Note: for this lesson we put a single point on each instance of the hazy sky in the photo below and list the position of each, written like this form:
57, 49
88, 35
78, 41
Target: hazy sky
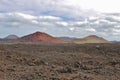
98, 5
74, 18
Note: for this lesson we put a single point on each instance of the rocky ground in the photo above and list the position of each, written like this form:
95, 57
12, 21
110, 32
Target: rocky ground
60, 62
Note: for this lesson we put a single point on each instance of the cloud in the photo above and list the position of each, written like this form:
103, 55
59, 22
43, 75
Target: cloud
27, 23
46, 7
59, 5
72, 28
91, 30
56, 17
62, 23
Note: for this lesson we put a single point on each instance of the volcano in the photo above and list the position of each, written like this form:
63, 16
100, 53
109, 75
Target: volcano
11, 37
91, 39
40, 37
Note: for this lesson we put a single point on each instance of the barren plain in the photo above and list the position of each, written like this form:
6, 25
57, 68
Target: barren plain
60, 61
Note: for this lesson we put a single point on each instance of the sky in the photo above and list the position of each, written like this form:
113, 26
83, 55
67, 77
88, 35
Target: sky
72, 18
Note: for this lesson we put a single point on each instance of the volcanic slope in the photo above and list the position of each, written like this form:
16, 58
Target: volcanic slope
40, 37
90, 39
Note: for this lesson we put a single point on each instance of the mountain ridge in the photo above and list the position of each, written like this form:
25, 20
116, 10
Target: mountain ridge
42, 37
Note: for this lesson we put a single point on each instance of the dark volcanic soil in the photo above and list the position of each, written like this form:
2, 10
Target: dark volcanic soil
60, 62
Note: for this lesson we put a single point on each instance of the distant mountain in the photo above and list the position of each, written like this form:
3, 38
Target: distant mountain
91, 39
0, 39
40, 37
67, 38
11, 37
115, 41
